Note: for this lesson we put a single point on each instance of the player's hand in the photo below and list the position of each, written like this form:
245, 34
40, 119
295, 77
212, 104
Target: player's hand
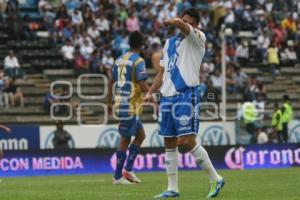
148, 98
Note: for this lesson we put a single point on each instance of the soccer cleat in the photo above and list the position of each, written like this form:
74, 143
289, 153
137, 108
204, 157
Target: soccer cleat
130, 176
121, 181
167, 194
215, 187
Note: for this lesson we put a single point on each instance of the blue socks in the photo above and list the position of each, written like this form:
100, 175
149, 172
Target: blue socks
121, 157
133, 152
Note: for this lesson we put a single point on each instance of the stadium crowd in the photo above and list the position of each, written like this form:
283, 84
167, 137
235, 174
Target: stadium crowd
93, 33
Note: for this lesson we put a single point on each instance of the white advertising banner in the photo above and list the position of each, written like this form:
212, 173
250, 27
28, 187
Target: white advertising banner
210, 133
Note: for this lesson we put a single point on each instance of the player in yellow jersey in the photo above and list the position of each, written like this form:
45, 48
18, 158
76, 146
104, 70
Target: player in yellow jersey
128, 83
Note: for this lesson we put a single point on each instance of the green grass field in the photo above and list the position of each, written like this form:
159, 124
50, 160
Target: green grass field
241, 185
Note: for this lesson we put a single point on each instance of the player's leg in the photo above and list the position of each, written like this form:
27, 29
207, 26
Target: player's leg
126, 134
187, 125
167, 130
133, 152
171, 163
121, 157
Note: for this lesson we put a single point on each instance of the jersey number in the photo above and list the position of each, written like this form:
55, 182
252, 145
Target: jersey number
121, 74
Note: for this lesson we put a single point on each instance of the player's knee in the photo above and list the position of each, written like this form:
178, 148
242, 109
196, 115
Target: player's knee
184, 145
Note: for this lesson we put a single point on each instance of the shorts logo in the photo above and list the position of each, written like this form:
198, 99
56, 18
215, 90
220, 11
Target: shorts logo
294, 135
109, 138
156, 140
214, 135
49, 143
184, 120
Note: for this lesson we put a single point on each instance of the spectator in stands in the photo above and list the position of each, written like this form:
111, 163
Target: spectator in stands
67, 31
262, 90
290, 55
81, 65
15, 25
260, 106
216, 79
68, 51
2, 87
263, 43
132, 23
86, 50
120, 43
29, 28
240, 79
289, 25
297, 49
242, 53
230, 82
96, 62
287, 116
273, 60
107, 60
277, 122
249, 115
211, 94
209, 53
61, 137
102, 24
77, 19
230, 53
279, 34
50, 98
93, 32
262, 136
251, 90
11, 65
13, 94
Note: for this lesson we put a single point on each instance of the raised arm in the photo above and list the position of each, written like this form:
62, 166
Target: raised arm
179, 23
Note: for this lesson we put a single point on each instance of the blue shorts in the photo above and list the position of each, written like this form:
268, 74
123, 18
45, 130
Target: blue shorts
130, 127
179, 115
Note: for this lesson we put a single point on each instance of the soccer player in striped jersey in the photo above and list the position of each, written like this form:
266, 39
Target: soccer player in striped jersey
129, 80
178, 80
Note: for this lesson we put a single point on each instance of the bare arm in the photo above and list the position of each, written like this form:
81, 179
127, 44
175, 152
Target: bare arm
157, 82
144, 86
155, 60
179, 23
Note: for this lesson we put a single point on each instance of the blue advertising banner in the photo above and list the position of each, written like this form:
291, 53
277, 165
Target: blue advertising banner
92, 161
22, 137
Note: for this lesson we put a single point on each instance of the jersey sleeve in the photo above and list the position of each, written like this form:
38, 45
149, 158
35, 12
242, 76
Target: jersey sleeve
115, 73
140, 70
196, 36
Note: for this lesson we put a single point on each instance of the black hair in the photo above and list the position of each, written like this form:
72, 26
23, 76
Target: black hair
286, 97
192, 12
136, 40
